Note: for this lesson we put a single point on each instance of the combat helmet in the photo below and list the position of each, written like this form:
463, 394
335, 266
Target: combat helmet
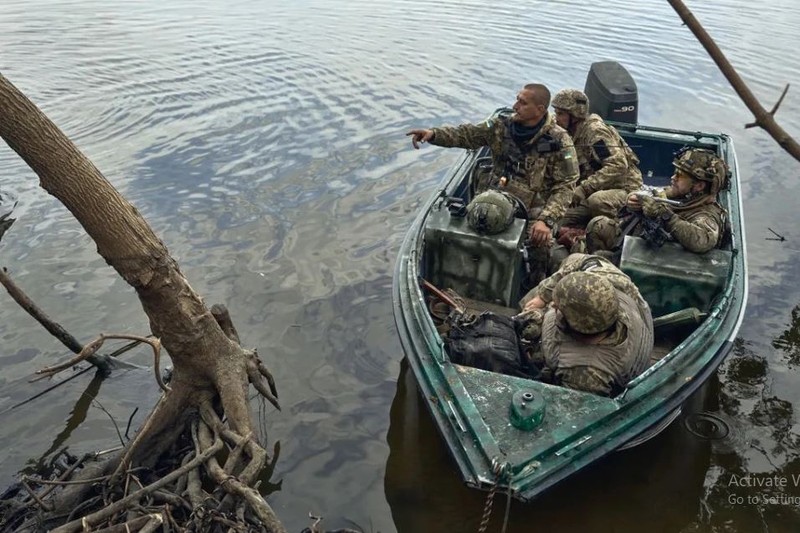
704, 165
490, 212
587, 301
575, 102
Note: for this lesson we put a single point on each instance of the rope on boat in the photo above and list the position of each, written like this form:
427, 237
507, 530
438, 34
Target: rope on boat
501, 472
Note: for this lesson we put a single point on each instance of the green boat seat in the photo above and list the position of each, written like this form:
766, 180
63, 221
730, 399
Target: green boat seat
672, 278
480, 267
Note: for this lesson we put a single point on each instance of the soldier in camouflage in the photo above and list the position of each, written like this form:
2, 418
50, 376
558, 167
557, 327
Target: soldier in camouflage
608, 166
533, 158
596, 331
698, 223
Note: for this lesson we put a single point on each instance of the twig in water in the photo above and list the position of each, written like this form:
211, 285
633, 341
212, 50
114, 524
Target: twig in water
116, 427
130, 419
777, 237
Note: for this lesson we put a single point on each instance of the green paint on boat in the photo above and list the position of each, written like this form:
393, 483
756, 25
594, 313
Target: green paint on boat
526, 410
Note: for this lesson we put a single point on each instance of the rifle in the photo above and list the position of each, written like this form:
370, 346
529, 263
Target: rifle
649, 194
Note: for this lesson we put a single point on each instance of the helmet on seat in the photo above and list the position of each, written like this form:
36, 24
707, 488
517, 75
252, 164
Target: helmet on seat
573, 101
490, 212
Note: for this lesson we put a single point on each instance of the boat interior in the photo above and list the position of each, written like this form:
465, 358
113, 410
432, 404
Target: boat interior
488, 271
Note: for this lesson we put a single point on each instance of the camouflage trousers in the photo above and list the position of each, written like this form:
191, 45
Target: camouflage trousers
585, 378
602, 203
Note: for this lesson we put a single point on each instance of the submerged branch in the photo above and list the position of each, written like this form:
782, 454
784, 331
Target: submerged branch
90, 349
102, 362
764, 119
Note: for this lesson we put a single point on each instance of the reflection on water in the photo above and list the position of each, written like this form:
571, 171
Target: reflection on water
263, 141
753, 478
789, 341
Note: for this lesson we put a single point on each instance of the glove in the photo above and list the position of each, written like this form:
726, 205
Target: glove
529, 324
655, 209
578, 196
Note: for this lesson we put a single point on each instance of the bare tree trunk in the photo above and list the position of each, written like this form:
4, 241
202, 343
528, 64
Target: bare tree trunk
765, 119
209, 367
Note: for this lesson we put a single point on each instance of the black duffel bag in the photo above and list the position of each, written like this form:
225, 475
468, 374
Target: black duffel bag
488, 341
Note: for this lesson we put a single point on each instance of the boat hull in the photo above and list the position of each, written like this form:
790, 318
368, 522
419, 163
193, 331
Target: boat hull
471, 407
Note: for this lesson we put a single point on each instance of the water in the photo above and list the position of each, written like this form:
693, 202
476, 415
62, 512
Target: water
263, 141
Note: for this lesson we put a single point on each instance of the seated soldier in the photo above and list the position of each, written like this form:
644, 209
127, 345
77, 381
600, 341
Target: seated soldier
608, 166
697, 222
532, 158
596, 334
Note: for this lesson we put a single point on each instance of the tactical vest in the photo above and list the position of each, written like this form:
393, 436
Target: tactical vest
524, 167
621, 363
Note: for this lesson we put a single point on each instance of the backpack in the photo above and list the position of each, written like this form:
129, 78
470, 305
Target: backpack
488, 341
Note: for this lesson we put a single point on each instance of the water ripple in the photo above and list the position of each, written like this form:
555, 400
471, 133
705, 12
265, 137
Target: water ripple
264, 143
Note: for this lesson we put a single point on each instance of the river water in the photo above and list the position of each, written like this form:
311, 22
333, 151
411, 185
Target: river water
263, 141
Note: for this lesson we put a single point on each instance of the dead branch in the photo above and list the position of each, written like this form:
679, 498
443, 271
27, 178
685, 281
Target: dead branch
95, 345
763, 118
113, 355
102, 362
135, 524
35, 496
256, 376
215, 444
155, 522
267, 374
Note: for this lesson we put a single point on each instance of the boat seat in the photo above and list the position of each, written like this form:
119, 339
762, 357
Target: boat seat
487, 268
672, 278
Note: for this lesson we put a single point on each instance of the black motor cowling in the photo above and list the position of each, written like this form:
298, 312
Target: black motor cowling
612, 92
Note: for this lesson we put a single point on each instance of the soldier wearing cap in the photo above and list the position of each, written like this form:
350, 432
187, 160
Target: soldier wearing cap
698, 223
532, 157
596, 329
608, 166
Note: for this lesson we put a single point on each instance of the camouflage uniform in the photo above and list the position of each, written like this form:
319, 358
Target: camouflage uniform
541, 173
605, 298
583, 263
609, 171
698, 229
698, 224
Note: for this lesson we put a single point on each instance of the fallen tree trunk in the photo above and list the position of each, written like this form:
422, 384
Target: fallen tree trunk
212, 372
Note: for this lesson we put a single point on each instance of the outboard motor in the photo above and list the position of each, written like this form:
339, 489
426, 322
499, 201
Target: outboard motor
612, 92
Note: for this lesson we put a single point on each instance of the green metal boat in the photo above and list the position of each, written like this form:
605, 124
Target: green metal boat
523, 435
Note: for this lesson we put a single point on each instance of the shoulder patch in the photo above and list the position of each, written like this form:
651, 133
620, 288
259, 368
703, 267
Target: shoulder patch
601, 149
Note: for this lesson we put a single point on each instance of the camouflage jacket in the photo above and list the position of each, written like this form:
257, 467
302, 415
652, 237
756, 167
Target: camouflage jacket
700, 229
542, 173
605, 367
587, 263
606, 161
